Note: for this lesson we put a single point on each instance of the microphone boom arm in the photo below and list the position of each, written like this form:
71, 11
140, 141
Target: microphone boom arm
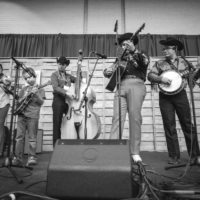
19, 64
88, 84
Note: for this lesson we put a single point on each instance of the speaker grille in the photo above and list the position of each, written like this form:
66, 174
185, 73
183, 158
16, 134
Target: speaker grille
90, 169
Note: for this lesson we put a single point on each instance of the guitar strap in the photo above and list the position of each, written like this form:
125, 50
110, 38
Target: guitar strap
1, 76
184, 73
172, 64
62, 75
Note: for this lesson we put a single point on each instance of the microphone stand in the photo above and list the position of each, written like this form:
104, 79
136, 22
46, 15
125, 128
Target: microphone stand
23, 67
85, 100
118, 70
8, 159
194, 129
118, 79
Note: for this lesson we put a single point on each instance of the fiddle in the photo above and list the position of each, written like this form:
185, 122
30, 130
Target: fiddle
5, 84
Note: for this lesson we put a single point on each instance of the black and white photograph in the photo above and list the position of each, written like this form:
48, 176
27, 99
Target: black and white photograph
99, 99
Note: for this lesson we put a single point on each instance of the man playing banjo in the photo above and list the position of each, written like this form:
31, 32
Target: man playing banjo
176, 101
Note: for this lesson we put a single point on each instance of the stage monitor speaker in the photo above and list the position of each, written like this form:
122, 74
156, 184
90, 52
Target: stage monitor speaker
91, 169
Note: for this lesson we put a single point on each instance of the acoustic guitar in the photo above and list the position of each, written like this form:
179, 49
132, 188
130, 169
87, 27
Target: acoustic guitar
22, 105
121, 65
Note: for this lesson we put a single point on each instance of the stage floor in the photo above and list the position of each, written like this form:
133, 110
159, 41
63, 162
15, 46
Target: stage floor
34, 181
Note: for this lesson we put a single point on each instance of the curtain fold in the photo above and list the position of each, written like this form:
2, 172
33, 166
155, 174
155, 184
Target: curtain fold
54, 45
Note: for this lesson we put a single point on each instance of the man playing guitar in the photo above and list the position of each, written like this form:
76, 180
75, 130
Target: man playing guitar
27, 122
177, 102
133, 92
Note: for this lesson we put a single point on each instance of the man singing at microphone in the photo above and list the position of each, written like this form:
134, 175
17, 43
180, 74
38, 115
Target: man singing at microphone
132, 92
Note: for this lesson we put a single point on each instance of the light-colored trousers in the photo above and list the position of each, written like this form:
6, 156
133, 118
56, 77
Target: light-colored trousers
31, 126
133, 92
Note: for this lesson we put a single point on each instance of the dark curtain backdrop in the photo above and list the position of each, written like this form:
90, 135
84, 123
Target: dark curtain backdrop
52, 45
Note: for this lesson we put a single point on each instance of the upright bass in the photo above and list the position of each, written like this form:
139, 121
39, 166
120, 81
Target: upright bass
81, 122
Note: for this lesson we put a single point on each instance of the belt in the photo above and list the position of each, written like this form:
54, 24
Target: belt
58, 95
130, 76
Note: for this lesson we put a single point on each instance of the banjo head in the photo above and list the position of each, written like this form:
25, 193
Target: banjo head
176, 83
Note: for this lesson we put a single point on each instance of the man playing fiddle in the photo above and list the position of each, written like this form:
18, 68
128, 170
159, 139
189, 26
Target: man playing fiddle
132, 92
5, 82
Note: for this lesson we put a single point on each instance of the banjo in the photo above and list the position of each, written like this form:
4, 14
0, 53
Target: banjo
176, 85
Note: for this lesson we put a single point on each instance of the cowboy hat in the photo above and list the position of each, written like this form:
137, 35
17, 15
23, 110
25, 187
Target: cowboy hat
170, 41
127, 36
63, 60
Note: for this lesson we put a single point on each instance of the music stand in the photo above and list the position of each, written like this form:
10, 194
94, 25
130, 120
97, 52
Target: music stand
8, 160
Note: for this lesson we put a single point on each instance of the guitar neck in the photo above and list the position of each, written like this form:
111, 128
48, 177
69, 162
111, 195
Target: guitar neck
39, 87
44, 85
138, 31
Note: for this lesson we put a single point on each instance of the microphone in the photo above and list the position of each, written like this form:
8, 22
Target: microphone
16, 61
116, 26
103, 56
80, 57
80, 51
24, 68
29, 72
116, 31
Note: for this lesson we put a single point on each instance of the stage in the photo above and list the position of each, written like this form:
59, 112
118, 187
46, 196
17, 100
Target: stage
34, 181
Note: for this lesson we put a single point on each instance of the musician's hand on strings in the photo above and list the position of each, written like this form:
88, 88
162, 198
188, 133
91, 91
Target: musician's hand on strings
166, 81
70, 94
13, 85
109, 70
34, 90
7, 80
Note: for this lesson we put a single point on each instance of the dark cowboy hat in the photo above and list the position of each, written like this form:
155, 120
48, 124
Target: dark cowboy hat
170, 41
63, 60
127, 36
